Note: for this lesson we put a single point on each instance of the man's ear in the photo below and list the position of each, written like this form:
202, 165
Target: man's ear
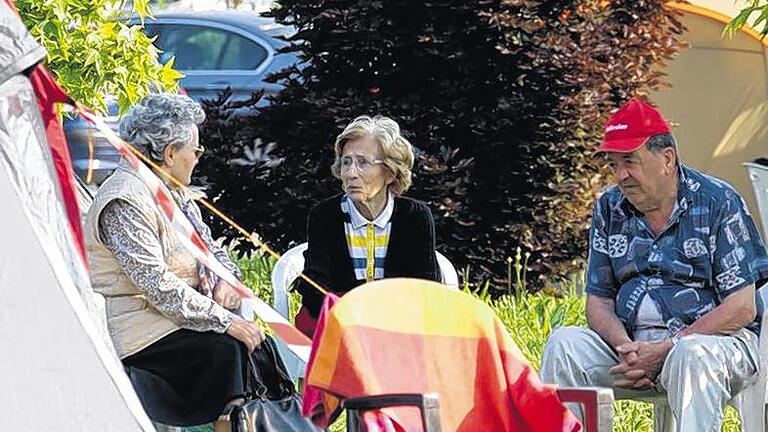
670, 158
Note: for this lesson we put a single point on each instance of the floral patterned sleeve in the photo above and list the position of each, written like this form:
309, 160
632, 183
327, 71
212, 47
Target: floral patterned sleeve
135, 244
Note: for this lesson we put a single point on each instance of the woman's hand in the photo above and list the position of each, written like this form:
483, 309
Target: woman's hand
246, 332
226, 296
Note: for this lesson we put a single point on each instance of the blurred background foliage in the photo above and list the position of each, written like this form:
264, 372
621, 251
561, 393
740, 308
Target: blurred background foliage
504, 100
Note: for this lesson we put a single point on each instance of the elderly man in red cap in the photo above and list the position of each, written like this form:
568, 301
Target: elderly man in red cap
673, 263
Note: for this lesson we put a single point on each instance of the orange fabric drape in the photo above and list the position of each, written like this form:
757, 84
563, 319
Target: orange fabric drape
415, 336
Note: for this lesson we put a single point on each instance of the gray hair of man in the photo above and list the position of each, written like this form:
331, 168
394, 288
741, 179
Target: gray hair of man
160, 120
658, 143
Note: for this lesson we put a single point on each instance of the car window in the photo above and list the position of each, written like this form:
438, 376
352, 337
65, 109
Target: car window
195, 47
242, 53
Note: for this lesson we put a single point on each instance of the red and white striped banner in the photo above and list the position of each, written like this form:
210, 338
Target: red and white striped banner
296, 341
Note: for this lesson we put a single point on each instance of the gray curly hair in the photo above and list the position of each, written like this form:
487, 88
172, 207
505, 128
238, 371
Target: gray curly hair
160, 120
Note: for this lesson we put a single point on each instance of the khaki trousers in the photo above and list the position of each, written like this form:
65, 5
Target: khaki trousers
700, 374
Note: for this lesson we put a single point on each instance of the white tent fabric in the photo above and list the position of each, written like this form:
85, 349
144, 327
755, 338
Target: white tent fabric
718, 101
58, 368
729, 8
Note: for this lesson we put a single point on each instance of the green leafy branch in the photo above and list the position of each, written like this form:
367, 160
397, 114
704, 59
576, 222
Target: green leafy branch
93, 53
755, 15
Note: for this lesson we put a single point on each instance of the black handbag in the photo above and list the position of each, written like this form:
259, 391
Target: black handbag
271, 403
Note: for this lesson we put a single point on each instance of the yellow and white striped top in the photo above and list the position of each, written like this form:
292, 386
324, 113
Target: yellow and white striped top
367, 240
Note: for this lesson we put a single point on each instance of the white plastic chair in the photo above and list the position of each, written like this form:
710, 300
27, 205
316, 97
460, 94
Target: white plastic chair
289, 266
758, 175
286, 271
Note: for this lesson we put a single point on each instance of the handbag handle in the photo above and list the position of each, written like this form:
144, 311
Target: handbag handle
252, 379
265, 364
270, 347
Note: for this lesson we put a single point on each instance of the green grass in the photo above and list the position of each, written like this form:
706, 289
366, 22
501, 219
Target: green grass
530, 320
256, 269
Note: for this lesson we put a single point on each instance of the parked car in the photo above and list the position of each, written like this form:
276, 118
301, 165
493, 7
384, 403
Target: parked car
220, 49
214, 50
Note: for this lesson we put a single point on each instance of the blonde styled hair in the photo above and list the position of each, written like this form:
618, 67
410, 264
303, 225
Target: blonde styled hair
398, 152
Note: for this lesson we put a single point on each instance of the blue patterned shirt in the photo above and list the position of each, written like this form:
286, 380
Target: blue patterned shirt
709, 249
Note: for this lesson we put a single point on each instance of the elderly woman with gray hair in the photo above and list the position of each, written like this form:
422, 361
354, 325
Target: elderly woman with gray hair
171, 319
370, 231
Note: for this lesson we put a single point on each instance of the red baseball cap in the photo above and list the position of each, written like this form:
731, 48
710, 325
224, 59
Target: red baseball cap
631, 126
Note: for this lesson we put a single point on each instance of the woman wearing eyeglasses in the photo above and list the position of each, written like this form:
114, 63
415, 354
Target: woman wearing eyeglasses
170, 318
370, 231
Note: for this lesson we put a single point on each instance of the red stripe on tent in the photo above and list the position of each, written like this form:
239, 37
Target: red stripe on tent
165, 203
199, 242
12, 6
289, 334
48, 95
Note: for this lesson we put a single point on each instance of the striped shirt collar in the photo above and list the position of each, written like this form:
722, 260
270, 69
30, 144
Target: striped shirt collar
358, 220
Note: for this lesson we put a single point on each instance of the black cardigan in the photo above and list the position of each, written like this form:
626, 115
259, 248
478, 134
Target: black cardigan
410, 253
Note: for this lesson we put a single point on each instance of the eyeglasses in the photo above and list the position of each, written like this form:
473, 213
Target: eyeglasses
363, 164
199, 150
